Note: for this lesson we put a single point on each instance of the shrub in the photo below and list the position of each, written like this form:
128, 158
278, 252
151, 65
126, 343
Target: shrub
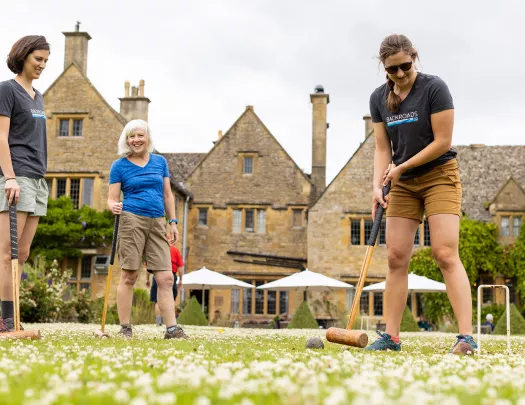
44, 294
192, 314
517, 323
408, 323
97, 306
303, 318
143, 311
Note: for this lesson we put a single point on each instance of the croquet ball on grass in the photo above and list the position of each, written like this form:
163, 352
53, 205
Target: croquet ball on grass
314, 343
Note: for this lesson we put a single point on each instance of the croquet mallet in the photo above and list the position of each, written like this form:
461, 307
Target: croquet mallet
101, 332
354, 337
15, 274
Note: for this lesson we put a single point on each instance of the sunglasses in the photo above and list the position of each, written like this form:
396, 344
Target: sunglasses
405, 67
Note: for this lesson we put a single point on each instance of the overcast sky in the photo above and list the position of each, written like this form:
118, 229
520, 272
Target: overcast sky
204, 61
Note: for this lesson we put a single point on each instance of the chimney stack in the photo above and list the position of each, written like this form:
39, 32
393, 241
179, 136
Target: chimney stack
319, 100
369, 127
134, 106
76, 49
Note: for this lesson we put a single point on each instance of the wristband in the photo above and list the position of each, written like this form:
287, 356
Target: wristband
173, 220
10, 178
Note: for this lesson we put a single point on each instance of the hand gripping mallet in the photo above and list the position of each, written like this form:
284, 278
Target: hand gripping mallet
354, 337
101, 333
13, 232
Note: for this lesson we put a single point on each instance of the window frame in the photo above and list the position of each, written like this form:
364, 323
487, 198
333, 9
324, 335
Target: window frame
53, 180
205, 211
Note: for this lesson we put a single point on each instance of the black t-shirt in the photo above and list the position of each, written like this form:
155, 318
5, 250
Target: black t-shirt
410, 129
27, 129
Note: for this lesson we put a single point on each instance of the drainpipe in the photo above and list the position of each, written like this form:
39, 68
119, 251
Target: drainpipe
184, 242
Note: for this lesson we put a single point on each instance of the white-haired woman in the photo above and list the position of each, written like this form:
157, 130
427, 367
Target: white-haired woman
143, 178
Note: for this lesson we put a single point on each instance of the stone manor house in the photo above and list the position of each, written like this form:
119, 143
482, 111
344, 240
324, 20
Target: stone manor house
246, 209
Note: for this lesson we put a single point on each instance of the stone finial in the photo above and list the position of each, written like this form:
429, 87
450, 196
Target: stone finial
220, 135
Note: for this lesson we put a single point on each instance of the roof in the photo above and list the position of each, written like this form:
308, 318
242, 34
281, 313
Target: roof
249, 109
484, 170
117, 115
182, 164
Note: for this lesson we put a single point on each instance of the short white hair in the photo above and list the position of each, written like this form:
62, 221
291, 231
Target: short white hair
489, 317
123, 147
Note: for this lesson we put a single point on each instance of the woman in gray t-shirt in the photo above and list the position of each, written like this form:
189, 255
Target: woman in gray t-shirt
413, 118
23, 158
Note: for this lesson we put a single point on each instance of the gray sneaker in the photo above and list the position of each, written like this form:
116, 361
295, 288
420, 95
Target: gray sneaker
175, 332
125, 331
384, 342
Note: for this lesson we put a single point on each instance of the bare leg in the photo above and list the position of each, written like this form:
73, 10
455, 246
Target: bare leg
400, 233
444, 235
165, 296
125, 295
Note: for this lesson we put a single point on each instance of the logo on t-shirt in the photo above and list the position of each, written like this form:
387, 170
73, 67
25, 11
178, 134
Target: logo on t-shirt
38, 113
401, 119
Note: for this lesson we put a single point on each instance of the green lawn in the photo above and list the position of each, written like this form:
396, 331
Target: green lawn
251, 366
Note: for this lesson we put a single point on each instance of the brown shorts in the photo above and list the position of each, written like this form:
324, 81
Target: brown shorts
436, 192
140, 237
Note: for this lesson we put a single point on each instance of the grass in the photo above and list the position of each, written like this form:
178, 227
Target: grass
251, 366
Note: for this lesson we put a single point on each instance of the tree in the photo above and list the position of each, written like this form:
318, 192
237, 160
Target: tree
65, 230
516, 263
479, 251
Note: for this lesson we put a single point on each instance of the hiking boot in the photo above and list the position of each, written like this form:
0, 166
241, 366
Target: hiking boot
384, 342
175, 332
125, 331
464, 345
9, 323
3, 326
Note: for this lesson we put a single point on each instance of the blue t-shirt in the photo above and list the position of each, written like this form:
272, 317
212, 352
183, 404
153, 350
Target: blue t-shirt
143, 187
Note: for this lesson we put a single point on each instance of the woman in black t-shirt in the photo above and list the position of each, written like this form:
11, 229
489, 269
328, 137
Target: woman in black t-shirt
23, 158
413, 119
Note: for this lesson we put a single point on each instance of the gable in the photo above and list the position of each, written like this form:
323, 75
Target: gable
276, 179
511, 197
73, 97
350, 189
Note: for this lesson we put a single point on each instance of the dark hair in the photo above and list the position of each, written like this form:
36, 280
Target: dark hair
390, 46
22, 48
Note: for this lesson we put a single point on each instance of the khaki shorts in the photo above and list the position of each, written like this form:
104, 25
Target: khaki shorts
436, 192
140, 237
33, 196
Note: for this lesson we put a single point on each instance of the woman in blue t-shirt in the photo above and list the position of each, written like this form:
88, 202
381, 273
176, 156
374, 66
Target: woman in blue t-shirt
23, 158
413, 119
144, 180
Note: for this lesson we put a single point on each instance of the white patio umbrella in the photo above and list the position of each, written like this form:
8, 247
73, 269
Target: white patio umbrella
306, 280
206, 279
417, 284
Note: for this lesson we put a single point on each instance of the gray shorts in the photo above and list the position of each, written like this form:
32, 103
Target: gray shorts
33, 196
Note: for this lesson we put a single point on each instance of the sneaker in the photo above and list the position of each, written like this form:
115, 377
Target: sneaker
175, 332
464, 345
9, 323
125, 331
384, 342
3, 326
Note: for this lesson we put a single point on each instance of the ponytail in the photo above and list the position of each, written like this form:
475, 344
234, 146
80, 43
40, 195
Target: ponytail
393, 101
